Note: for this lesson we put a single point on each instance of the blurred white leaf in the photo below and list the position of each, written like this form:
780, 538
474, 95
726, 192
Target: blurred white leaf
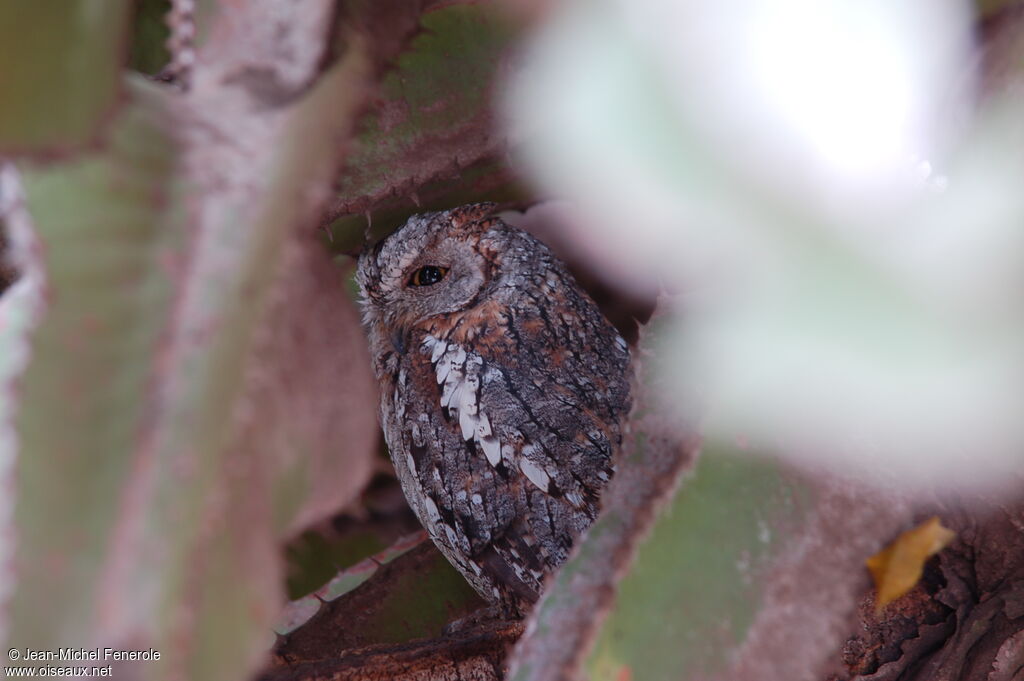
843, 220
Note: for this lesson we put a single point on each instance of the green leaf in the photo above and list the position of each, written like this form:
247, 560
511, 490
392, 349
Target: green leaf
700, 570
753, 571
59, 71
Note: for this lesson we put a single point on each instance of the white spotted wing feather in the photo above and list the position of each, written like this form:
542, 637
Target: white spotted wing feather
459, 373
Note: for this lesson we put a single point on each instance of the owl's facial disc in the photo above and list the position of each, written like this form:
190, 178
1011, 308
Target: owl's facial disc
431, 267
441, 277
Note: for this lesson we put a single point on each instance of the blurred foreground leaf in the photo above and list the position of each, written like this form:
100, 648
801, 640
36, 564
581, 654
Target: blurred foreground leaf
199, 386
898, 567
21, 305
89, 356
837, 291
59, 71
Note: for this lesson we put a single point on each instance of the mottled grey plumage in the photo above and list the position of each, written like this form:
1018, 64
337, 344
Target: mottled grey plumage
503, 390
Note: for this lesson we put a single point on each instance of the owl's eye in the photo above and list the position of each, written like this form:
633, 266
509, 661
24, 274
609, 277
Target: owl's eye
428, 275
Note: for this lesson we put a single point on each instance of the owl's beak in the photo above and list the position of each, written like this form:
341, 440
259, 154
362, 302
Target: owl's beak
398, 339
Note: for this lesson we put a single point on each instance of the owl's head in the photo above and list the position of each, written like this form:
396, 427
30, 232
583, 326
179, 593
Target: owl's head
435, 264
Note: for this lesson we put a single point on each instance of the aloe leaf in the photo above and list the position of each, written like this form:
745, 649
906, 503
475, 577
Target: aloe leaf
89, 361
431, 138
195, 389
752, 571
701, 570
59, 71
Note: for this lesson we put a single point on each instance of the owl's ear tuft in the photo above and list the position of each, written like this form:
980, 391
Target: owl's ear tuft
473, 212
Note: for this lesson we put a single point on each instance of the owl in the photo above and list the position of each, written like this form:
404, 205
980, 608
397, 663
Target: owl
503, 394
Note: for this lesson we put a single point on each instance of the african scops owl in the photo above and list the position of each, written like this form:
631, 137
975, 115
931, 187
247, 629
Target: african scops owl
503, 391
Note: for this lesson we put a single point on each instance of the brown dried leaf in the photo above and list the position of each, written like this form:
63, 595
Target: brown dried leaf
898, 567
